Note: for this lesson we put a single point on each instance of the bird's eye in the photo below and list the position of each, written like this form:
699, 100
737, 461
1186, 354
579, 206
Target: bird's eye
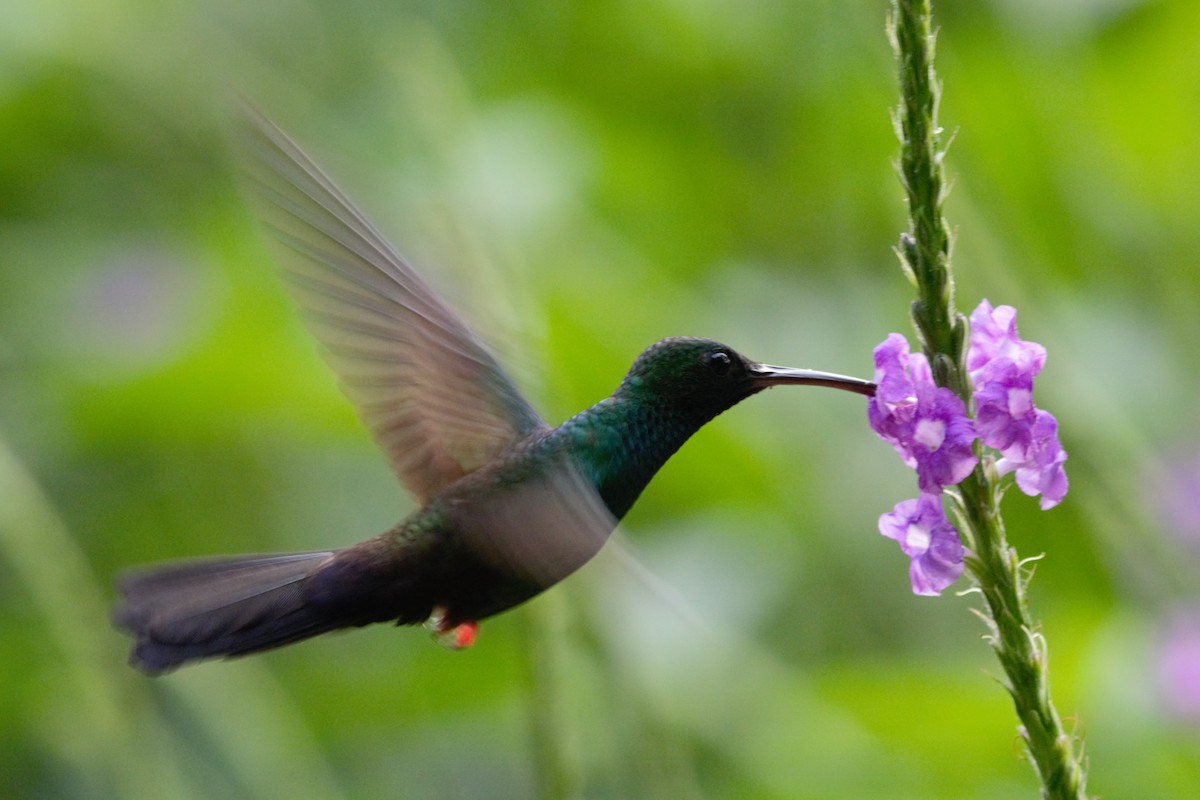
719, 362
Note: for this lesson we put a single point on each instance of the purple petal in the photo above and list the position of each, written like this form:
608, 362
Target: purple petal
927, 537
1004, 411
890, 412
895, 400
918, 368
926, 424
941, 441
895, 385
1039, 470
994, 335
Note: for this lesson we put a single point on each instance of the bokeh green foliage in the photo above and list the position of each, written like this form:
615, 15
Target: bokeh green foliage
581, 179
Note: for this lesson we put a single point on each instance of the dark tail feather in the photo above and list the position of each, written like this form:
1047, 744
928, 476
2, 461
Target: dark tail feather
220, 607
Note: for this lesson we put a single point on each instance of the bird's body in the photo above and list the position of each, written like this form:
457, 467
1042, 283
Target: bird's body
509, 504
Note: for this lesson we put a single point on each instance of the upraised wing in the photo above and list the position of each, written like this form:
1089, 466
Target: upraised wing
434, 398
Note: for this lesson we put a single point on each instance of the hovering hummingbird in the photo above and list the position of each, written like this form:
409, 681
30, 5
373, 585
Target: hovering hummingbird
509, 505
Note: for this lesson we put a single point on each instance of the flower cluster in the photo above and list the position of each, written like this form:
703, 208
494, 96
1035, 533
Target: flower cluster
1002, 368
929, 427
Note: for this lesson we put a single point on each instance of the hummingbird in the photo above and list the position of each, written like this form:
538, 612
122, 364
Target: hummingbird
508, 504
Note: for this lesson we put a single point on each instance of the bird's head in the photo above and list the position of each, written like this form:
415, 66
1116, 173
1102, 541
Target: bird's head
708, 377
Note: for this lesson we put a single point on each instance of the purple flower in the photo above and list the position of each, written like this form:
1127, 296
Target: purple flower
1004, 411
1039, 467
928, 538
1173, 485
929, 427
994, 336
925, 423
1179, 665
1002, 367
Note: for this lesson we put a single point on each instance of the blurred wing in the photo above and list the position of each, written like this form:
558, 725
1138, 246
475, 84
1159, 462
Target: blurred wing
434, 398
538, 529
541, 529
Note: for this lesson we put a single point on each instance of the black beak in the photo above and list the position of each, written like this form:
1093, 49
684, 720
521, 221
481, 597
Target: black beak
764, 376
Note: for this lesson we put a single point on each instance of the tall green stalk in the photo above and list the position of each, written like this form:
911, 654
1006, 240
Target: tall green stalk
994, 566
556, 760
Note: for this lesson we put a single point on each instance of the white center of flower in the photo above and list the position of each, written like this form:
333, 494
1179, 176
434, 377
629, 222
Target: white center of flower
1019, 402
917, 537
931, 433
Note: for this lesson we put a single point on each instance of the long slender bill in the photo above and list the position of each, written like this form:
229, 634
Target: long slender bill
767, 375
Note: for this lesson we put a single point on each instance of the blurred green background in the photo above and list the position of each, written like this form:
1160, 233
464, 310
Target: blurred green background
581, 179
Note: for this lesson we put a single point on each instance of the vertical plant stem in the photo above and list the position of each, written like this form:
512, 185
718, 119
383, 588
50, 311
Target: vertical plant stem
555, 754
108, 735
102, 744
924, 252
